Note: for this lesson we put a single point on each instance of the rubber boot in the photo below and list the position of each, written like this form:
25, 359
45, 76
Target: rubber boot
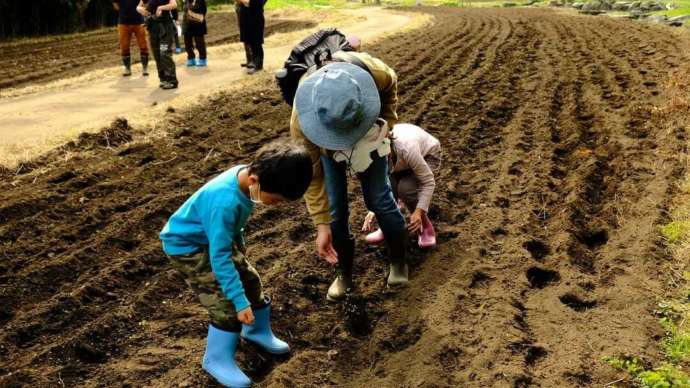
145, 64
342, 285
398, 274
375, 238
248, 55
427, 237
219, 358
261, 333
259, 61
127, 61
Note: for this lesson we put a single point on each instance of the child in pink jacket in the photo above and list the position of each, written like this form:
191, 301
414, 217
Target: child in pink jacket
416, 155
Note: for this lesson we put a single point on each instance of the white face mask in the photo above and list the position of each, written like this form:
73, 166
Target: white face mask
255, 193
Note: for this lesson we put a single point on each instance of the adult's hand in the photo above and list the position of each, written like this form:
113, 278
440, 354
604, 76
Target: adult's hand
415, 225
246, 316
368, 225
324, 244
159, 12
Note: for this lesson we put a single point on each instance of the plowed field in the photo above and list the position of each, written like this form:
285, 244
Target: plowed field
556, 176
36, 61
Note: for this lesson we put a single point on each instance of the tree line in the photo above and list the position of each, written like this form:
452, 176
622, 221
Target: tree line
28, 18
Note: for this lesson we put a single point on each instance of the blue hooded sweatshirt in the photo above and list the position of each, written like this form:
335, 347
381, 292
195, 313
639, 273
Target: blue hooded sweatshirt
213, 217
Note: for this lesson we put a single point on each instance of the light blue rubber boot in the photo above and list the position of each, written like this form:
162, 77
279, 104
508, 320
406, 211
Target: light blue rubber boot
201, 62
191, 63
261, 334
219, 359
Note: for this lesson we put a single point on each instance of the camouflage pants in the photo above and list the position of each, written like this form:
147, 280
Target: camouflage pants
196, 269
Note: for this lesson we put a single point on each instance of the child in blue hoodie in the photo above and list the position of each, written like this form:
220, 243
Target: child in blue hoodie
204, 241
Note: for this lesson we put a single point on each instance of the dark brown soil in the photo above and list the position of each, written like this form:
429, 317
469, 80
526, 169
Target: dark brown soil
27, 62
557, 174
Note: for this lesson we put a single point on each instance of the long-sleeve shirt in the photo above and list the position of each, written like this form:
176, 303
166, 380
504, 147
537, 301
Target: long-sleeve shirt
387, 84
213, 217
412, 145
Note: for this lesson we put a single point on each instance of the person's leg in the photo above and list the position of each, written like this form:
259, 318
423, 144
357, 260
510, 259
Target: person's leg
140, 34
178, 48
400, 187
335, 176
258, 55
189, 46
248, 55
166, 46
154, 40
260, 332
201, 46
224, 330
408, 190
125, 41
378, 197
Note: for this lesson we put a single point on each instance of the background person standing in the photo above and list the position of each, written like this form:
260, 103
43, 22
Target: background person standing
161, 35
194, 32
252, 32
130, 22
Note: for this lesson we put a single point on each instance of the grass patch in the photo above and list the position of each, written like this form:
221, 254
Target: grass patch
675, 345
676, 231
665, 376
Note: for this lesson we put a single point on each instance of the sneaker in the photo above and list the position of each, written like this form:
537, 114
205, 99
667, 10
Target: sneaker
191, 63
178, 50
127, 72
201, 62
168, 85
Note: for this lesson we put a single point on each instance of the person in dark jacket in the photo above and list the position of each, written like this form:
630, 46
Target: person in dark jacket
161, 28
252, 32
194, 32
129, 23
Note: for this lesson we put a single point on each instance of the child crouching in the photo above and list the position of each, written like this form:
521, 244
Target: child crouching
416, 156
204, 241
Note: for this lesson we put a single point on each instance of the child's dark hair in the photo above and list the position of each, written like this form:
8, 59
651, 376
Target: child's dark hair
283, 167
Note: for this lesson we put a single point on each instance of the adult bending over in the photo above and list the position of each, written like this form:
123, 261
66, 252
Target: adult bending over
343, 111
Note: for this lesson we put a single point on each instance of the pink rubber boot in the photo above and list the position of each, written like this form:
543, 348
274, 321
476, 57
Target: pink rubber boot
427, 236
375, 238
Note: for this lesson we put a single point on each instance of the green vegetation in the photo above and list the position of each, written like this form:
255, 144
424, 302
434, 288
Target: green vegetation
665, 376
676, 231
681, 7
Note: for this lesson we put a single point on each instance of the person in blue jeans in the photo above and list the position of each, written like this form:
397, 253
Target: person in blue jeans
204, 240
343, 113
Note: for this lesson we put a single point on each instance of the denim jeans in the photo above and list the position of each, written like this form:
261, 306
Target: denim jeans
377, 192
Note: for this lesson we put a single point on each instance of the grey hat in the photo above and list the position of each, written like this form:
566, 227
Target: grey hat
337, 105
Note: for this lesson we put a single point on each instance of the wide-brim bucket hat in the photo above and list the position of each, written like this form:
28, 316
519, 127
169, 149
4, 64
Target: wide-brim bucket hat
337, 105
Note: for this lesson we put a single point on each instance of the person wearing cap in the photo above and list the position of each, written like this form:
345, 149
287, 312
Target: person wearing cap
342, 112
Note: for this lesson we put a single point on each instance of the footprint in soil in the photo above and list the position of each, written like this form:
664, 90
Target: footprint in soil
593, 238
576, 303
540, 277
537, 249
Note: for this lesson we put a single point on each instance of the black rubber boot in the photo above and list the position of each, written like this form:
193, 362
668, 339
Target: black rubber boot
145, 64
127, 61
398, 274
342, 285
248, 55
259, 60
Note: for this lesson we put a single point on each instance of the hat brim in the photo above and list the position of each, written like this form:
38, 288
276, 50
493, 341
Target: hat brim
312, 127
